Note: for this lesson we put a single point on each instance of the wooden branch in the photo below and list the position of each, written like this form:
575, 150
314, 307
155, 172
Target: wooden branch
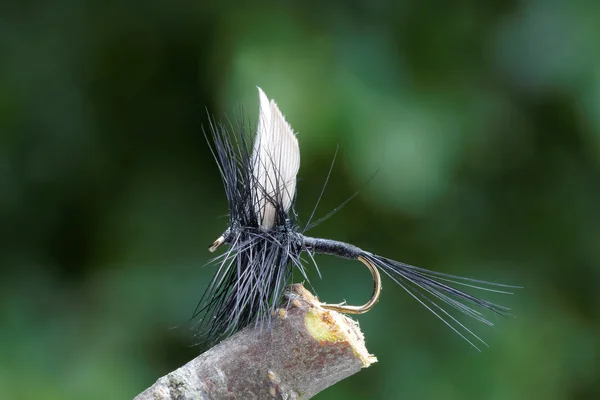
306, 350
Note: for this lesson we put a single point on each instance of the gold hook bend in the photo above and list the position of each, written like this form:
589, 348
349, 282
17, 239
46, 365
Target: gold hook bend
343, 308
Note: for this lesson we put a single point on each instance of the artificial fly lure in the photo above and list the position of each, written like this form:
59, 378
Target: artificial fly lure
266, 243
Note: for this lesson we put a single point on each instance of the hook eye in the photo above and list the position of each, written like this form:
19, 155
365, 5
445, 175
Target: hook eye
213, 247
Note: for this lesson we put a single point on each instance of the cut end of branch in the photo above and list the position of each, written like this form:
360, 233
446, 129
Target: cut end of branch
328, 326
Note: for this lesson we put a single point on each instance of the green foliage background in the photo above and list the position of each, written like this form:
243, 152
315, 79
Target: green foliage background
482, 118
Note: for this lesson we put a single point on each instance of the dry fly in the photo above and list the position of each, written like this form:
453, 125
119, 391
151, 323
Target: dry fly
265, 241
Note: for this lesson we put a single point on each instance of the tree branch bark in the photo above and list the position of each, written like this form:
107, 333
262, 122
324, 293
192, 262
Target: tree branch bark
306, 350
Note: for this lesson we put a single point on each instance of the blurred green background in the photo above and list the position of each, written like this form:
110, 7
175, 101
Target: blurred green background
482, 118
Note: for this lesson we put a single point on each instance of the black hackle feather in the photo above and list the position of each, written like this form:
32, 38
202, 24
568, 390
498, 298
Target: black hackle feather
253, 272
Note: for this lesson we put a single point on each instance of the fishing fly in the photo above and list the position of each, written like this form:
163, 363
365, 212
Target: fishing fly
266, 243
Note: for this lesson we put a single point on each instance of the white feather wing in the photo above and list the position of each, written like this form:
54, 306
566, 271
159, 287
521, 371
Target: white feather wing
275, 163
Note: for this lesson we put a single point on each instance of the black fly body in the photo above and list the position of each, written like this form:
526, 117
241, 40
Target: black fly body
265, 243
